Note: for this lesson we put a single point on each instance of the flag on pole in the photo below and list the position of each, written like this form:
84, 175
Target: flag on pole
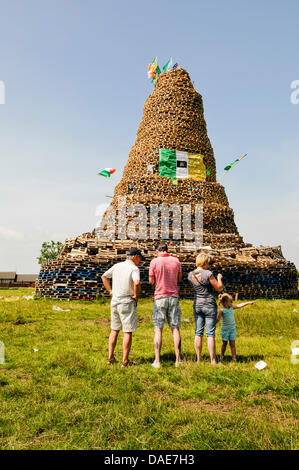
178, 164
107, 172
150, 73
151, 70
168, 65
154, 64
228, 167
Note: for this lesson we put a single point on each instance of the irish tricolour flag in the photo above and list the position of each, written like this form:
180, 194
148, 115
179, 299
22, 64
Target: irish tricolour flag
107, 172
177, 164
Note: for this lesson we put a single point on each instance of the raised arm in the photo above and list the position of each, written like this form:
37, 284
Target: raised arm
242, 305
217, 284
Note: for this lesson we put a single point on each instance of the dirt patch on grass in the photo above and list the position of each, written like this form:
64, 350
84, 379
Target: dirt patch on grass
221, 406
21, 376
98, 321
268, 411
23, 321
103, 321
272, 398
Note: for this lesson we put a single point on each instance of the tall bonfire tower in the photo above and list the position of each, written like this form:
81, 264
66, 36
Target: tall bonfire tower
171, 141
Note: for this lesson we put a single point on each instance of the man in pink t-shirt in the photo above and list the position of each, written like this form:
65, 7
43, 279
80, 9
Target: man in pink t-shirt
166, 271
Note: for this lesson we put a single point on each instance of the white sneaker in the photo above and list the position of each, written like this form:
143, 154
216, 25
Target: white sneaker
156, 366
178, 363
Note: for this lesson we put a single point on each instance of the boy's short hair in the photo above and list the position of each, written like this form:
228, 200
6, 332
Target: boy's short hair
203, 258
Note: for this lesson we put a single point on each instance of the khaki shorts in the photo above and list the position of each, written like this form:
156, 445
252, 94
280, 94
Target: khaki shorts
124, 316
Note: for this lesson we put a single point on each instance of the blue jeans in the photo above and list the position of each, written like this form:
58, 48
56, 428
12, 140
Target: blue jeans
205, 315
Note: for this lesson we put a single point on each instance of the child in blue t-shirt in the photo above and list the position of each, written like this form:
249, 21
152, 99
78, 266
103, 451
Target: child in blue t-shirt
228, 326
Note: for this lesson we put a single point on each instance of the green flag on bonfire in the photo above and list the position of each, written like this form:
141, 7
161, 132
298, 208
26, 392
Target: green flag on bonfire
181, 164
168, 65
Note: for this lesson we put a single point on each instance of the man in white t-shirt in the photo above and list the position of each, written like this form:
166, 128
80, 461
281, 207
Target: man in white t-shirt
125, 292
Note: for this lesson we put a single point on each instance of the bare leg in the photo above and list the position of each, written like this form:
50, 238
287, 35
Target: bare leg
127, 341
177, 343
198, 347
158, 343
112, 343
223, 348
233, 349
212, 349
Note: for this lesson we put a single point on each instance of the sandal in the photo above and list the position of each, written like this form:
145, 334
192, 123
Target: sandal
128, 363
112, 361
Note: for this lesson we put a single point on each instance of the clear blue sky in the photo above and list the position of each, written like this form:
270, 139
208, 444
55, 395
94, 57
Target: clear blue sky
76, 83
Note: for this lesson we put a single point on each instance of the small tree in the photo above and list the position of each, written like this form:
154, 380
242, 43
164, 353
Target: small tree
49, 250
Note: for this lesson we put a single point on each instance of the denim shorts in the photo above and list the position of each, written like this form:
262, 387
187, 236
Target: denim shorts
228, 334
205, 315
167, 308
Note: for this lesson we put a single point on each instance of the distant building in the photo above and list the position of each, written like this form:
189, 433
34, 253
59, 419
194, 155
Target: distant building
6, 279
12, 279
26, 280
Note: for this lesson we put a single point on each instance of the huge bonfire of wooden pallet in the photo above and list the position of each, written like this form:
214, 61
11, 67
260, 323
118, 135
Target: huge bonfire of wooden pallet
173, 118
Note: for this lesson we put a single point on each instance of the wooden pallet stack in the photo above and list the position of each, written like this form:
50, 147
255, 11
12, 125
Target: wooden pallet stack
253, 272
173, 118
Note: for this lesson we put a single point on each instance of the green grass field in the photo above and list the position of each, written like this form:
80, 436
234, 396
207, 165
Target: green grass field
64, 396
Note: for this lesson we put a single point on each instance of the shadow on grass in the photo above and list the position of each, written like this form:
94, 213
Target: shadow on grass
170, 358
163, 358
243, 359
